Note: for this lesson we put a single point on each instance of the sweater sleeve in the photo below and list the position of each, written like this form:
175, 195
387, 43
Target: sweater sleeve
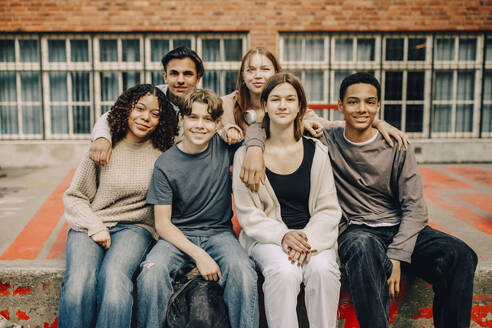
101, 128
249, 209
413, 208
78, 197
322, 228
255, 136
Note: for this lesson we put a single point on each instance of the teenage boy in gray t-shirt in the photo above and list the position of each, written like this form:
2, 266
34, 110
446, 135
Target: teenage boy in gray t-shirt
191, 194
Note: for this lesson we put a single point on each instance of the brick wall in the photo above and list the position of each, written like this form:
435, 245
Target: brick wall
262, 19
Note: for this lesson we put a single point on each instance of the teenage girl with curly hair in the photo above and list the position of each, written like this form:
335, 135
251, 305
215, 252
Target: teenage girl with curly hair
111, 227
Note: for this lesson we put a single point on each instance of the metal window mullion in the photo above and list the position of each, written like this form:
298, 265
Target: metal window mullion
46, 104
404, 100
454, 101
69, 104
19, 105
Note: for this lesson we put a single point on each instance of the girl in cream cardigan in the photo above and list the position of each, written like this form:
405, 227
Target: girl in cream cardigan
290, 226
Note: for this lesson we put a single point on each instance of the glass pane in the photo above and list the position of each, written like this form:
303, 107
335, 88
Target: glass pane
468, 49
158, 48
30, 86
444, 85
130, 79
59, 119
415, 85
394, 49
442, 118
464, 118
79, 50
414, 118
181, 43
466, 85
313, 84
108, 50
339, 76
58, 86
487, 86
393, 85
81, 119
233, 49
315, 50
131, 50
344, 49
109, 86
80, 86
7, 51
365, 49
487, 118
488, 50
57, 51
8, 120
392, 115
230, 78
31, 119
8, 89
416, 49
105, 109
211, 49
157, 78
445, 49
28, 51
292, 49
211, 80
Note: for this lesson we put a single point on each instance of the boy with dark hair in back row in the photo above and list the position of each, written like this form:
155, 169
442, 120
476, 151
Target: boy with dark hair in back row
191, 194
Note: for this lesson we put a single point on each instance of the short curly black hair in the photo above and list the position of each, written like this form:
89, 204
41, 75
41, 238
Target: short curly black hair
163, 136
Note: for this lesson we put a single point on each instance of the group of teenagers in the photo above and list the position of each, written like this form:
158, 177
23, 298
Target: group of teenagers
316, 200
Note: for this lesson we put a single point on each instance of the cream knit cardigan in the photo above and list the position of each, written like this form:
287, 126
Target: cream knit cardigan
259, 213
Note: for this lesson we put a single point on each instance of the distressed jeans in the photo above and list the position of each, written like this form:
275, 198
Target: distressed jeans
165, 263
100, 281
440, 259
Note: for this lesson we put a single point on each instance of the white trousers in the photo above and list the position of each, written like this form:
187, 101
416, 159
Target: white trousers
321, 278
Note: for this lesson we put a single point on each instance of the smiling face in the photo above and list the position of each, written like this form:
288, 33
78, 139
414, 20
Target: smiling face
256, 72
198, 128
359, 107
143, 119
181, 76
282, 105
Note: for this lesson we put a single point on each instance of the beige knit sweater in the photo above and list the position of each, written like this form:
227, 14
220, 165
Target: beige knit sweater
101, 197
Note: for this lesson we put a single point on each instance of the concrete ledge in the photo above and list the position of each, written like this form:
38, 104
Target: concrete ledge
30, 297
42, 153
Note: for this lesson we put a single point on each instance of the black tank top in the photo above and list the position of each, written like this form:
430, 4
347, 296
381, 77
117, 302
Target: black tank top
292, 190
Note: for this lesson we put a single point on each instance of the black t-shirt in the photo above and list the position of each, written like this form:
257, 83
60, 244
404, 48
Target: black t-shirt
292, 190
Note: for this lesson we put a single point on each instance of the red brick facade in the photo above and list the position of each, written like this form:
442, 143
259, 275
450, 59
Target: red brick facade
262, 19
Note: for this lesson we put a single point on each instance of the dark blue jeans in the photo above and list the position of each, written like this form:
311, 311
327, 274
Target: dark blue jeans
440, 259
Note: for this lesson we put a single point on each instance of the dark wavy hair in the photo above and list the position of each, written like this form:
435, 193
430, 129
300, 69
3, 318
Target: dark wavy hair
163, 135
242, 101
181, 53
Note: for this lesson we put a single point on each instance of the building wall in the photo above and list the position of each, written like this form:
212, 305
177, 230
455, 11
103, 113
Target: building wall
262, 19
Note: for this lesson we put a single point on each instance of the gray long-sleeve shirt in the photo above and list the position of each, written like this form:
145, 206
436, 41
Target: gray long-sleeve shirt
376, 185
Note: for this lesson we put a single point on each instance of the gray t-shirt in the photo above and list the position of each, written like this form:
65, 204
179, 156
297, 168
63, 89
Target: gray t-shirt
197, 186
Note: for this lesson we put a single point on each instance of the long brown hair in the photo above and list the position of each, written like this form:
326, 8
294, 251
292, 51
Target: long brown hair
279, 78
242, 102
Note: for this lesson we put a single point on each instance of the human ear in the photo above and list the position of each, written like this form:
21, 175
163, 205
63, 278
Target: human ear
340, 106
164, 76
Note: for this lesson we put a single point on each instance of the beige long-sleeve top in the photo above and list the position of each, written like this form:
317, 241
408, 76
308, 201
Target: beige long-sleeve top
101, 197
259, 213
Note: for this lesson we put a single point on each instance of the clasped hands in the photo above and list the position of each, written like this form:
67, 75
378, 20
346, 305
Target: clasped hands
295, 244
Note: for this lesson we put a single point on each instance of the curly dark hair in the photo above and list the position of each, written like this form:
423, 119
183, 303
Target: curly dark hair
163, 136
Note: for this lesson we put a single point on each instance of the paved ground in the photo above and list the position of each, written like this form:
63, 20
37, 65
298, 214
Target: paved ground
32, 238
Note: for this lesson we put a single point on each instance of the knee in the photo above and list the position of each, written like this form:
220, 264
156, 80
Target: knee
151, 275
462, 256
241, 269
357, 245
115, 284
324, 271
288, 273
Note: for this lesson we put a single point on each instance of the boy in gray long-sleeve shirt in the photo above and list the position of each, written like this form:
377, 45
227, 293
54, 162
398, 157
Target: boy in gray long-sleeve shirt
384, 219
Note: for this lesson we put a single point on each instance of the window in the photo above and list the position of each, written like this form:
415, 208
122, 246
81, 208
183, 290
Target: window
54, 86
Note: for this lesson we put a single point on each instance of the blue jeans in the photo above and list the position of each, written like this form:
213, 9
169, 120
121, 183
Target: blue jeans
442, 260
99, 281
165, 263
